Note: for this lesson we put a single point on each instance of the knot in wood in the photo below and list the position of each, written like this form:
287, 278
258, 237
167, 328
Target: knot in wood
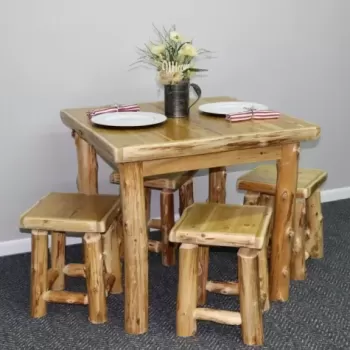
297, 245
263, 296
284, 195
296, 148
307, 233
290, 232
285, 271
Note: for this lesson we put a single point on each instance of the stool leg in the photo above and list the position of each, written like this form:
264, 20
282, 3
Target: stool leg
297, 263
95, 278
250, 308
39, 262
264, 277
203, 267
217, 194
315, 224
186, 195
186, 325
58, 256
120, 235
268, 201
255, 198
148, 194
111, 249
121, 244
167, 222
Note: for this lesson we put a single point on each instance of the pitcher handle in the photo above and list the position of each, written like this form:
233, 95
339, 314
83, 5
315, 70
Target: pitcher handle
198, 92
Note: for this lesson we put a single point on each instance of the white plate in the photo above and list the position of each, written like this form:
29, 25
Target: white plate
224, 108
128, 119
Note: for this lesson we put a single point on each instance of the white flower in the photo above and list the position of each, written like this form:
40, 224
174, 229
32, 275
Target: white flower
188, 50
175, 36
157, 49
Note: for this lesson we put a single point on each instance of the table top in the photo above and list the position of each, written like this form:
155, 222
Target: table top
198, 134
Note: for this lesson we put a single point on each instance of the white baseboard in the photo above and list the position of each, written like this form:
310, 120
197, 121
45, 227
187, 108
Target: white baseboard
23, 245
336, 194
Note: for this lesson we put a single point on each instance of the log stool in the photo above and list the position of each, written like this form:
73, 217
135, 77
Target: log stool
167, 184
212, 224
307, 241
98, 217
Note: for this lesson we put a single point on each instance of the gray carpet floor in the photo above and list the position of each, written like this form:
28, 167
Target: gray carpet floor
317, 316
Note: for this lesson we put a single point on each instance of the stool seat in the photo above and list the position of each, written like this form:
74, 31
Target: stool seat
222, 225
98, 218
212, 224
263, 179
307, 240
171, 181
72, 212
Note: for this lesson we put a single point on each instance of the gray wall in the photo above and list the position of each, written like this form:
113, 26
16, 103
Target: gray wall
292, 55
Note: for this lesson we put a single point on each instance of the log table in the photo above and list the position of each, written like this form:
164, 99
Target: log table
182, 144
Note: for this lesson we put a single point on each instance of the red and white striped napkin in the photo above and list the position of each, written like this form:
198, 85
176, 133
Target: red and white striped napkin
113, 109
252, 114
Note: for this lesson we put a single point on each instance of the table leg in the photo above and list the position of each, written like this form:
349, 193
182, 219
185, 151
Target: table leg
287, 175
135, 248
87, 178
87, 166
217, 194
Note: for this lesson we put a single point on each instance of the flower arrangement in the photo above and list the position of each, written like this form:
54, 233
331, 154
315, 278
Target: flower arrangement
172, 56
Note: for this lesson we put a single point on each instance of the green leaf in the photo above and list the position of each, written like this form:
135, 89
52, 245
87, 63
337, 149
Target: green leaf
195, 70
161, 37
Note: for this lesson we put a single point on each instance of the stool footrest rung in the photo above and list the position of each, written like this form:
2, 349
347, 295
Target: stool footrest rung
219, 316
74, 270
226, 288
155, 223
65, 297
154, 246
